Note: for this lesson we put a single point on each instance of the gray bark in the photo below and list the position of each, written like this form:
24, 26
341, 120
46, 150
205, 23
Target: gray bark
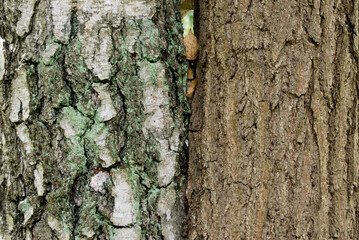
92, 120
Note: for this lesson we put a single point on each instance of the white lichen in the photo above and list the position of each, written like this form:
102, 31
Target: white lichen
61, 16
39, 179
132, 37
4, 235
24, 135
175, 140
26, 208
96, 50
104, 153
117, 10
139, 8
132, 233
166, 168
20, 97
28, 235
67, 127
61, 231
101, 62
159, 121
166, 204
97, 180
2, 59
27, 10
50, 52
155, 101
96, 19
107, 110
124, 212
88, 233
28, 215
10, 222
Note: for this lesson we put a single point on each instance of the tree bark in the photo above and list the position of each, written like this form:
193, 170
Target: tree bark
92, 120
274, 127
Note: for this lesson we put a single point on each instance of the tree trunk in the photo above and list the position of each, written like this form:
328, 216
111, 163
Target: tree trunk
274, 132
92, 119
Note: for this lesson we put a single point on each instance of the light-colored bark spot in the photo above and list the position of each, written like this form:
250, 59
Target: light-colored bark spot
2, 59
98, 138
10, 222
167, 166
61, 231
117, 10
61, 15
156, 123
4, 235
23, 133
8, 177
27, 10
107, 110
166, 204
132, 37
128, 233
101, 63
124, 212
28, 235
26, 208
88, 233
95, 33
159, 121
39, 179
50, 52
20, 97
175, 140
98, 180
74, 126
104, 153
155, 101
139, 8
68, 129
96, 48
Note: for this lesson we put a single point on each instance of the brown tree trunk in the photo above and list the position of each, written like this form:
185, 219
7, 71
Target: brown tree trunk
92, 120
274, 131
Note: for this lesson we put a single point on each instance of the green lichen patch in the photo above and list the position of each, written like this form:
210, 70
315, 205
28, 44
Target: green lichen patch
99, 147
73, 122
74, 125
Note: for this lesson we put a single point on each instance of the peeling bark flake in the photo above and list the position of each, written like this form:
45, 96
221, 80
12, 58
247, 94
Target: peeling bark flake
61, 15
27, 10
2, 59
39, 179
20, 97
107, 110
24, 135
124, 209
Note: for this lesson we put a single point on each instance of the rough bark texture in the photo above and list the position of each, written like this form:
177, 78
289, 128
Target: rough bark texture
274, 131
92, 119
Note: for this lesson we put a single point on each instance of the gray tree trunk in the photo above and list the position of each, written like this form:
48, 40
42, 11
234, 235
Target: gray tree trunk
92, 119
274, 131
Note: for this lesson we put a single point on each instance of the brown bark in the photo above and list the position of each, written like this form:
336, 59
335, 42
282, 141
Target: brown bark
274, 129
